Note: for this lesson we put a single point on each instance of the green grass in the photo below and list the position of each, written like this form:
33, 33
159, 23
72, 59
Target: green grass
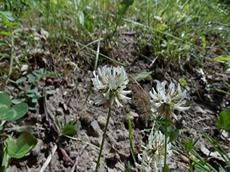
182, 28
176, 29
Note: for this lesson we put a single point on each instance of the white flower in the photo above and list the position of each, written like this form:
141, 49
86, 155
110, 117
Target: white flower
165, 101
152, 158
112, 81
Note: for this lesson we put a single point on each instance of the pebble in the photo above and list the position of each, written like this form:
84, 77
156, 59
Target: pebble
59, 111
86, 118
102, 121
122, 135
94, 129
95, 141
38, 147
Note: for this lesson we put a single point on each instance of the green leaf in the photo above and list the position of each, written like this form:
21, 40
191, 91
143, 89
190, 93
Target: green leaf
5, 159
4, 99
198, 169
227, 167
14, 113
221, 58
69, 129
223, 120
131, 139
182, 82
21, 80
165, 168
124, 5
188, 144
7, 14
4, 33
128, 169
18, 148
31, 78
143, 76
3, 110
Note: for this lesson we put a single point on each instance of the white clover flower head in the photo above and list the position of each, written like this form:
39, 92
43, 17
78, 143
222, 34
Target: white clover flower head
153, 154
166, 100
112, 80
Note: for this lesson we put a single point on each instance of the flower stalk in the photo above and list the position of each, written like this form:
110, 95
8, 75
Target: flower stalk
165, 156
104, 133
112, 83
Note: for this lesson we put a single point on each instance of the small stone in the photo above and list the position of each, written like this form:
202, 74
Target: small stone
86, 118
38, 147
102, 121
44, 34
111, 170
59, 111
73, 154
122, 135
184, 158
111, 160
119, 166
24, 69
133, 115
94, 129
95, 141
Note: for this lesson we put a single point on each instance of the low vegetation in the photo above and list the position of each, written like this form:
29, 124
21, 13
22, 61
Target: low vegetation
120, 85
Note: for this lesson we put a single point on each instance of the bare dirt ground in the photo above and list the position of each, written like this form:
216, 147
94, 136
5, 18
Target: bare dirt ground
74, 99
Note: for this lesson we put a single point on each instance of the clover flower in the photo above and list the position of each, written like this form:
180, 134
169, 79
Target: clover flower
166, 100
112, 81
152, 158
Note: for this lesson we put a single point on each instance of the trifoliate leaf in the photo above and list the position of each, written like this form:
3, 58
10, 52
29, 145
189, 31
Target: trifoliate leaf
18, 148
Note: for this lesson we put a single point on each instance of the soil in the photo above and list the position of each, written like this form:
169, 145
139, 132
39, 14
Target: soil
74, 99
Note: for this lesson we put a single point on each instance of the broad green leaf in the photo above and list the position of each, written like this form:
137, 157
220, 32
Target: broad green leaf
21, 80
4, 99
221, 58
14, 113
18, 148
3, 110
223, 120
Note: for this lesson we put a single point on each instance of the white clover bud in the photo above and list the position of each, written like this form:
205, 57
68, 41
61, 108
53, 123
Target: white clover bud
165, 101
112, 81
153, 154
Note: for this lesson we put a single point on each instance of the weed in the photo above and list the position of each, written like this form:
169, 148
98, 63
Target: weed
13, 148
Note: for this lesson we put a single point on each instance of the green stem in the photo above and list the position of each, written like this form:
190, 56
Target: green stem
5, 160
104, 135
190, 165
131, 139
165, 156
